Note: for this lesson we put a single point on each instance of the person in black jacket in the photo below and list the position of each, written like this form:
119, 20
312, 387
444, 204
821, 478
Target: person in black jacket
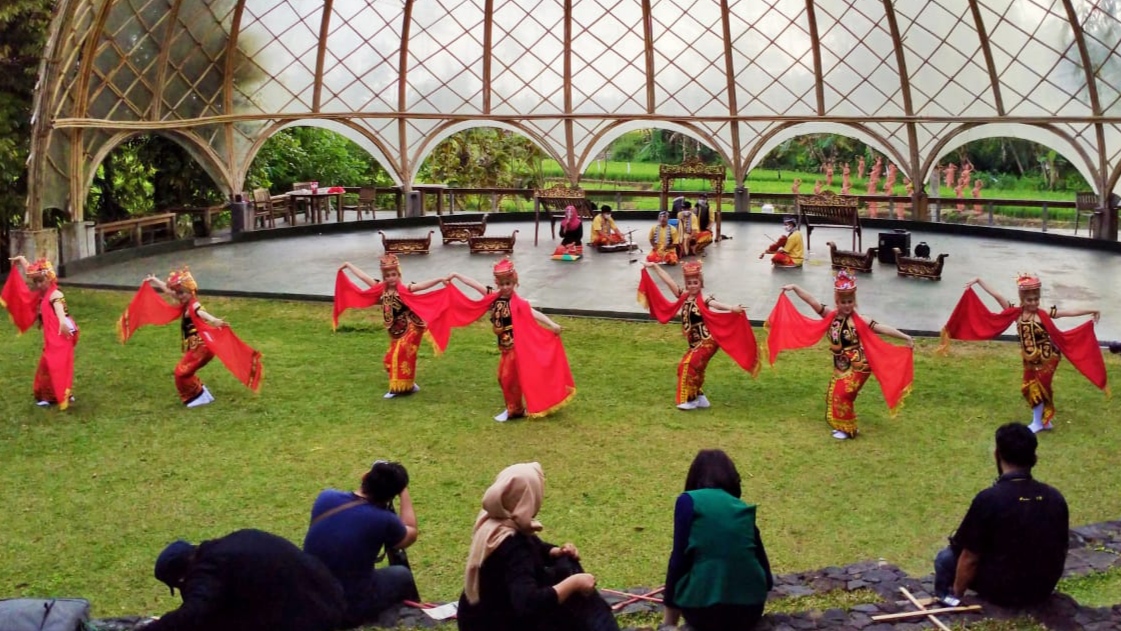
517, 582
249, 580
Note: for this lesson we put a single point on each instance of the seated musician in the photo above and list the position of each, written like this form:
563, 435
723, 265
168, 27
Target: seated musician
788, 250
664, 241
604, 230
699, 235
686, 223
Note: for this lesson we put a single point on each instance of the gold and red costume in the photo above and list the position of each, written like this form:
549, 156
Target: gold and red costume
201, 341
1042, 344
605, 232
664, 241
857, 354
705, 330
405, 328
54, 376
699, 239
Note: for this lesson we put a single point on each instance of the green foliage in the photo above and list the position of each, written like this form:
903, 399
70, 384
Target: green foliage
1100, 589
92, 494
312, 154
484, 157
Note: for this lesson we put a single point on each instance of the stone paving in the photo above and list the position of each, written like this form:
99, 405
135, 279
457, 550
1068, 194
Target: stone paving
1093, 548
305, 266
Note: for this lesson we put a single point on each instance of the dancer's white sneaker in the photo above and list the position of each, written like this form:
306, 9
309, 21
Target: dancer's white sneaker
839, 435
1036, 427
43, 404
702, 401
201, 399
688, 405
389, 395
416, 388
503, 417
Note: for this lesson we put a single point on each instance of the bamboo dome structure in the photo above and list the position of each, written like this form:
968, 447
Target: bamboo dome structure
914, 80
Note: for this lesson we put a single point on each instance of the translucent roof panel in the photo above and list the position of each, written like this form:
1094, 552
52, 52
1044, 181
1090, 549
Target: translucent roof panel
572, 74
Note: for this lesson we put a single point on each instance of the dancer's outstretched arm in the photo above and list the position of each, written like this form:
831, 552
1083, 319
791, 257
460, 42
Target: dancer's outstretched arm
1004, 304
818, 307
470, 282
157, 284
1061, 313
20, 260
883, 329
414, 287
209, 319
544, 321
666, 278
719, 306
362, 276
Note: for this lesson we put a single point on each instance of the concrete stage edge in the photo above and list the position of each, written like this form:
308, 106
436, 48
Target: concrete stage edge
300, 263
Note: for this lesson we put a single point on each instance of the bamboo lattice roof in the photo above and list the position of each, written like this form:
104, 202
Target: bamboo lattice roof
912, 78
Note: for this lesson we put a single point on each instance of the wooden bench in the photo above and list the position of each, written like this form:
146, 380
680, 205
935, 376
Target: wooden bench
148, 229
848, 259
492, 245
919, 268
463, 231
831, 211
406, 245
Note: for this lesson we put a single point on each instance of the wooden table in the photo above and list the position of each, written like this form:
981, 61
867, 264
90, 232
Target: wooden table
438, 189
319, 206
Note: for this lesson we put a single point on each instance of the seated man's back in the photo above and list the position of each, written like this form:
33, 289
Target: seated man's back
1019, 529
349, 543
250, 580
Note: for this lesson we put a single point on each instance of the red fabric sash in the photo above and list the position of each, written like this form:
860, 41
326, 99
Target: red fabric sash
972, 320
20, 302
146, 308
58, 350
243, 362
893, 366
349, 296
732, 331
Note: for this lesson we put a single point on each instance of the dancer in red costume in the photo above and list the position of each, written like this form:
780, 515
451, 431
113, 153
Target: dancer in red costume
708, 326
1042, 344
45, 304
857, 351
533, 370
204, 336
404, 326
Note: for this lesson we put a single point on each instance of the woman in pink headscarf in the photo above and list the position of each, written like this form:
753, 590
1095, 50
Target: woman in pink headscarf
514, 580
571, 232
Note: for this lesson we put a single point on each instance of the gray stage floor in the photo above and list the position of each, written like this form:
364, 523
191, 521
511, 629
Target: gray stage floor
1072, 278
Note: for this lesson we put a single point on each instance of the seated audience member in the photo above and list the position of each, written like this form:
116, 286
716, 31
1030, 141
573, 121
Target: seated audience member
704, 215
604, 230
571, 232
348, 532
1012, 544
699, 237
517, 582
663, 241
248, 580
718, 574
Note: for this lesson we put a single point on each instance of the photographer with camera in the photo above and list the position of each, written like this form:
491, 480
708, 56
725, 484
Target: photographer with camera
349, 531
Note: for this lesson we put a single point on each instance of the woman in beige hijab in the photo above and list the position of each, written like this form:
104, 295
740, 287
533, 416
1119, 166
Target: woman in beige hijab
514, 580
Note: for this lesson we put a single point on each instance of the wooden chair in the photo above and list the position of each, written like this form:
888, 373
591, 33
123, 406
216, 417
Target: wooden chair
263, 216
1086, 205
367, 201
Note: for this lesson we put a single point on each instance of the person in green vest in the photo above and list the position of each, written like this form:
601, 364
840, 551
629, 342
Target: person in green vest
718, 575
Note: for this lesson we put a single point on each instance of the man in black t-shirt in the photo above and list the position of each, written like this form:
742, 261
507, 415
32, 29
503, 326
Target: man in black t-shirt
1012, 544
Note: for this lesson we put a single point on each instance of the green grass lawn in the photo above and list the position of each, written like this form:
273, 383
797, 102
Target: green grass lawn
93, 494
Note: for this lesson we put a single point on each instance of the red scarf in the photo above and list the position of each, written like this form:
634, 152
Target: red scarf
431, 307
972, 320
58, 348
732, 331
21, 303
146, 307
349, 296
893, 366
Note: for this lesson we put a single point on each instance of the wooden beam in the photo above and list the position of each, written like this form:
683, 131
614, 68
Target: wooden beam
156, 108
815, 46
402, 86
569, 132
730, 72
648, 39
86, 69
488, 53
321, 54
987, 51
924, 613
913, 169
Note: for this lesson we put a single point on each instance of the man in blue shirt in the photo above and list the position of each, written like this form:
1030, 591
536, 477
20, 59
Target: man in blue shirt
349, 531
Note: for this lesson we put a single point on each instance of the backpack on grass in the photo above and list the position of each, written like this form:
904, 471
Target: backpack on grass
44, 614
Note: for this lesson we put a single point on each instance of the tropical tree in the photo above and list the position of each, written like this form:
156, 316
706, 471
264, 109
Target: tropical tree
484, 157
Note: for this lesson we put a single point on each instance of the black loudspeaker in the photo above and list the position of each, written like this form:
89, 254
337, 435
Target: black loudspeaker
922, 250
897, 238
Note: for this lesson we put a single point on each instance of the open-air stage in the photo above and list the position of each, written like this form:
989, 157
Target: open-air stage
304, 265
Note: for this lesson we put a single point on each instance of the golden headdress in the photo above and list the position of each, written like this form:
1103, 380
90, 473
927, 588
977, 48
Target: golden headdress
691, 268
182, 279
1028, 282
505, 269
844, 282
42, 267
390, 262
